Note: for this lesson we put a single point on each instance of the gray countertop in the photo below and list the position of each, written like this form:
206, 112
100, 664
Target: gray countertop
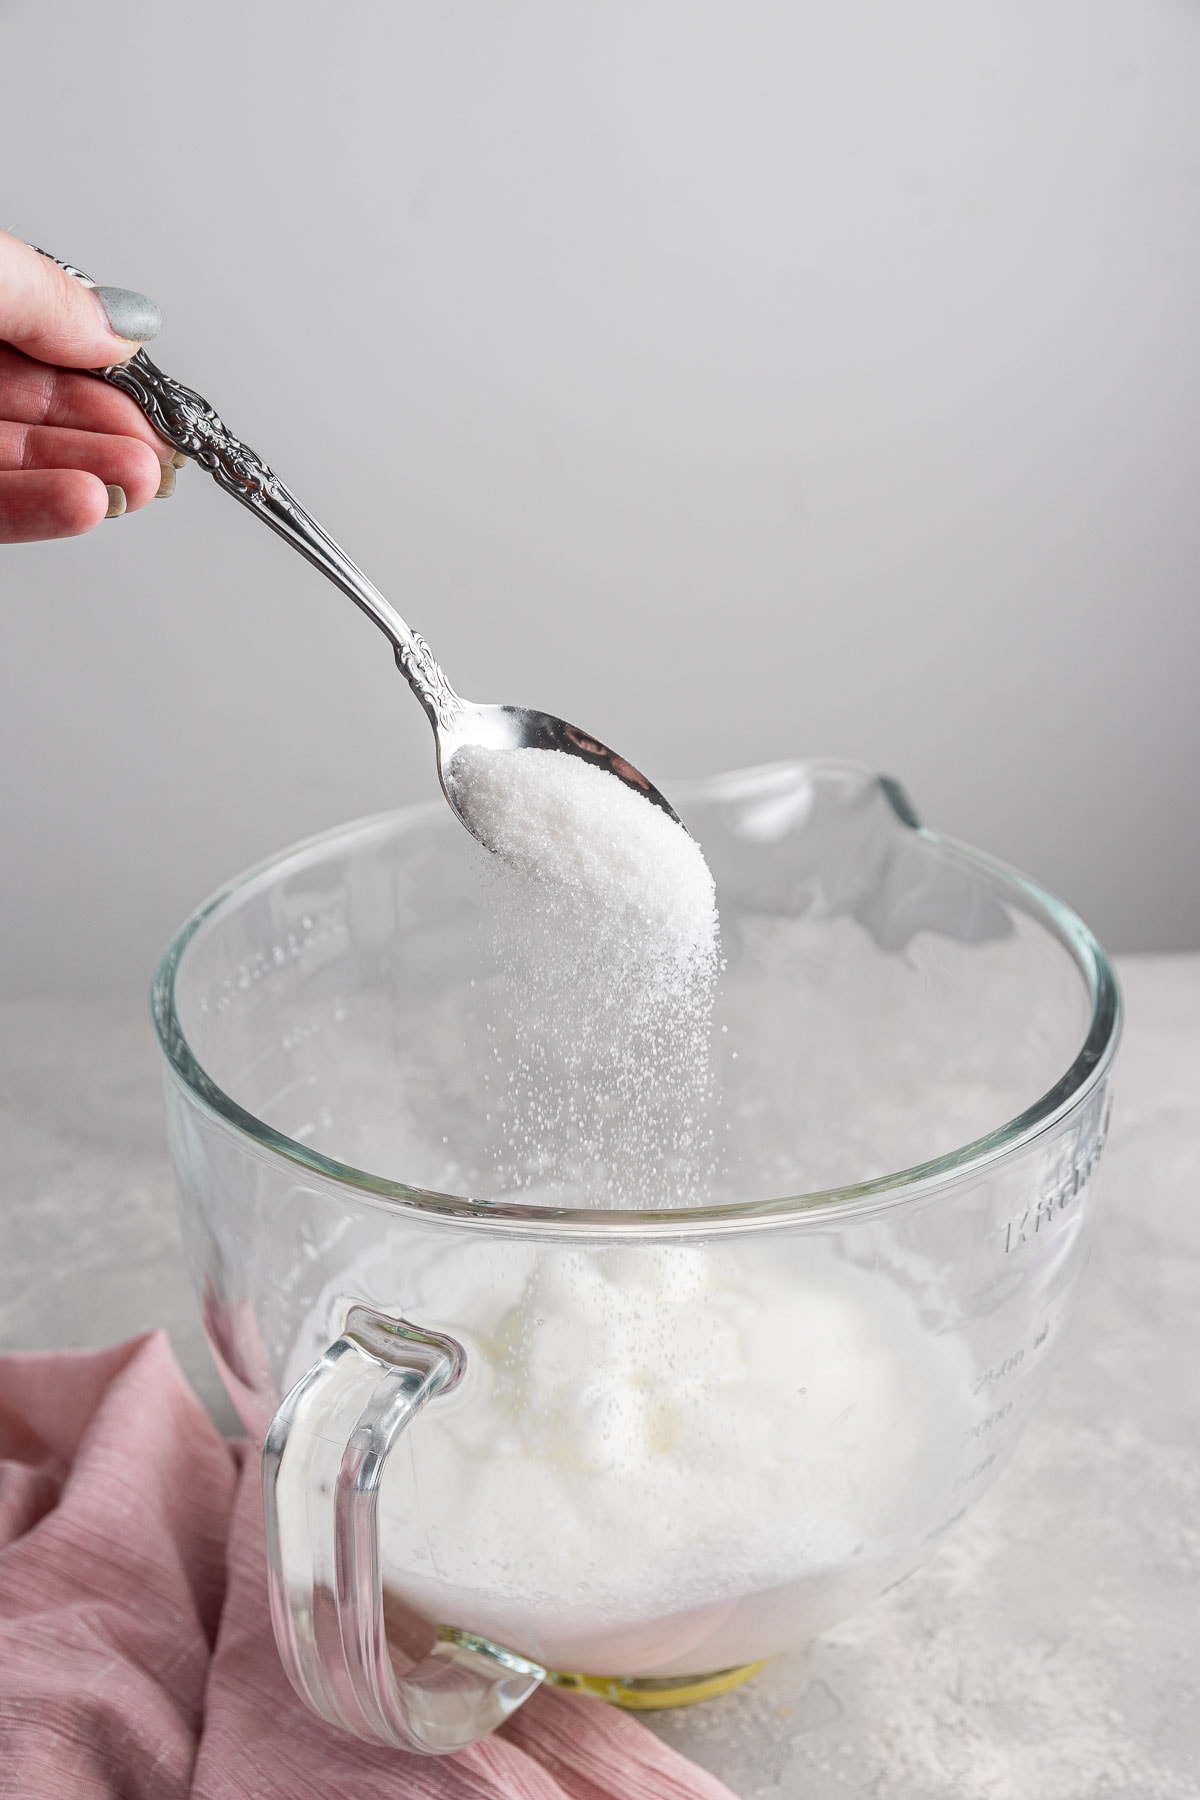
1051, 1648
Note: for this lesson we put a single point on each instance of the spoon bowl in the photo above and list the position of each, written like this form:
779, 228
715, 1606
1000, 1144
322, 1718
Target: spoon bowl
500, 727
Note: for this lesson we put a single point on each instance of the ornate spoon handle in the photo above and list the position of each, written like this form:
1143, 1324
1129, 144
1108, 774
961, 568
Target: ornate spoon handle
187, 421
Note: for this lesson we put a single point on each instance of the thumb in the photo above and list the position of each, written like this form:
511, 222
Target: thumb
59, 319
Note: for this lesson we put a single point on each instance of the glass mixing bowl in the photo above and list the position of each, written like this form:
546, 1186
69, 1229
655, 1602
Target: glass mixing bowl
509, 1435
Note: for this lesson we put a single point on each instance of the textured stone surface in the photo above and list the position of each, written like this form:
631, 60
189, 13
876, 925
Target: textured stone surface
1051, 1649
90, 1250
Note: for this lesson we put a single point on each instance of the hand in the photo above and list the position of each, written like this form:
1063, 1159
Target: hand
72, 450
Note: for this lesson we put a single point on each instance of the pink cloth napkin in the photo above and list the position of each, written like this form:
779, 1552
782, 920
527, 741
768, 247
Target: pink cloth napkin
136, 1656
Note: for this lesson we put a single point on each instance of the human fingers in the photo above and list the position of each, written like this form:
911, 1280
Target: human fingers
115, 461
59, 319
51, 503
32, 393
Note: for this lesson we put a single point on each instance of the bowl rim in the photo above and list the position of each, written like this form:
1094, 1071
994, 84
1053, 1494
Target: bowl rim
902, 1186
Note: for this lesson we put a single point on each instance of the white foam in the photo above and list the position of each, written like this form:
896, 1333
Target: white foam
662, 1458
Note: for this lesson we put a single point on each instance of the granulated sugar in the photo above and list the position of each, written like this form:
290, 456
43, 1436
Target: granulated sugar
576, 827
604, 921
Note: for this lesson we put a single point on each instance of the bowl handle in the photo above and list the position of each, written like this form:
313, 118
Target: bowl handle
322, 1462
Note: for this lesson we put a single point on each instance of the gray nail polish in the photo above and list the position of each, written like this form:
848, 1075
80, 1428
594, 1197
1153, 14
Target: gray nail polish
166, 486
130, 315
116, 501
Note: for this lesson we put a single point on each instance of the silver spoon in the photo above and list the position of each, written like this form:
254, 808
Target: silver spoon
187, 421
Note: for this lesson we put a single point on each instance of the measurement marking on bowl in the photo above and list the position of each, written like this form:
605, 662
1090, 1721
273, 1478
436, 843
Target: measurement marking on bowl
980, 1468
946, 1524
990, 1423
1019, 1365
1000, 1371
328, 924
1063, 1191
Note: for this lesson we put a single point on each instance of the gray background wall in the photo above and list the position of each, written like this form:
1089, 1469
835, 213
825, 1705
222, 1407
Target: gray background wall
737, 379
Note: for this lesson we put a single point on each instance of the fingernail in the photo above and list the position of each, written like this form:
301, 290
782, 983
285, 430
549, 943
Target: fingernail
116, 501
179, 460
166, 486
130, 315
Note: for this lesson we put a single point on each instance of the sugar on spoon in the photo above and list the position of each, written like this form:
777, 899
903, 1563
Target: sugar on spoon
187, 422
